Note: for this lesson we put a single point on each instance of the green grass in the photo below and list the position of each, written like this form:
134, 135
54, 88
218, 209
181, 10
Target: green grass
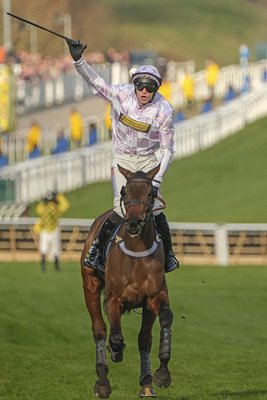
219, 336
223, 184
191, 29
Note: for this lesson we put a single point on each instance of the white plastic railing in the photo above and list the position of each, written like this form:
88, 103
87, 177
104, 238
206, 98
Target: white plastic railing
208, 129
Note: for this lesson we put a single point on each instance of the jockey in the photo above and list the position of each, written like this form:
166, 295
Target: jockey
142, 135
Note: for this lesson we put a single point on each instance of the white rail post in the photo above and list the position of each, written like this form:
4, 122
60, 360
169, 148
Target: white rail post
221, 245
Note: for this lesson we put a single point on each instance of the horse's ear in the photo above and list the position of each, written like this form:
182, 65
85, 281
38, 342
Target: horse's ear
125, 172
150, 174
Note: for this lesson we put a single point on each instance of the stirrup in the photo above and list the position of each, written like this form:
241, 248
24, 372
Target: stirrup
171, 262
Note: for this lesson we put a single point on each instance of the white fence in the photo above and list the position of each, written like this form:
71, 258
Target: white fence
205, 131
193, 243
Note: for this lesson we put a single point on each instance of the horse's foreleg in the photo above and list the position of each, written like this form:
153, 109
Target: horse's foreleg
144, 345
116, 340
162, 376
92, 291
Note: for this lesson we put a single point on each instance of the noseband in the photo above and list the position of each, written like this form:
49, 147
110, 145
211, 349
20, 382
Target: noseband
134, 202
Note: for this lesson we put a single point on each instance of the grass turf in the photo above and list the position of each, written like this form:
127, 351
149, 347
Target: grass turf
219, 336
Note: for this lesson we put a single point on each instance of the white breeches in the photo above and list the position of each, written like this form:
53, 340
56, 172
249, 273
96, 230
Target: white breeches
50, 243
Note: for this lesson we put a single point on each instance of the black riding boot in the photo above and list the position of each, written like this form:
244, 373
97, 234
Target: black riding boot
94, 257
163, 229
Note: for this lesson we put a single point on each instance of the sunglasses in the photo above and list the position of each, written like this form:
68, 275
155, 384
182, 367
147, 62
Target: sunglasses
149, 87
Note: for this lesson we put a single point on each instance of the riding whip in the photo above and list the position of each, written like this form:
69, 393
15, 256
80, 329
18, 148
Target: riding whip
38, 26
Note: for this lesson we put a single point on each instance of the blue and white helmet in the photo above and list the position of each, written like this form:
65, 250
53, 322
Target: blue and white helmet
148, 72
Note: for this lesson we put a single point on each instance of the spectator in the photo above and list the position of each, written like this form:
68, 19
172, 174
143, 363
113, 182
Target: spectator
49, 211
62, 143
246, 85
107, 120
188, 87
264, 75
179, 116
166, 90
3, 159
212, 75
76, 129
34, 136
35, 153
230, 94
207, 106
92, 134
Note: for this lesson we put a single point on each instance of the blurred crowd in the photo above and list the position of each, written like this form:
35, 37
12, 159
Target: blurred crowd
30, 66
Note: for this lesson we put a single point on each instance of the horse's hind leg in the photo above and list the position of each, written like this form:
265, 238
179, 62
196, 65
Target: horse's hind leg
92, 290
162, 376
144, 345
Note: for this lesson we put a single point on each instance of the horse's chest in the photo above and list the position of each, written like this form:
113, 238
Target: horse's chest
135, 293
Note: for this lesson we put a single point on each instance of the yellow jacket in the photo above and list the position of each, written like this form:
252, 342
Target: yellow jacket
33, 137
212, 72
76, 126
107, 119
49, 213
188, 86
166, 90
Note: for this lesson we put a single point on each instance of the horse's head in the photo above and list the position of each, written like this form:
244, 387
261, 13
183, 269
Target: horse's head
138, 198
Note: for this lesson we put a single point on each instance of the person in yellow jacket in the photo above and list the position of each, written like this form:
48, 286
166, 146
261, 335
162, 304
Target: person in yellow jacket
188, 87
34, 137
212, 75
76, 128
166, 90
107, 120
47, 226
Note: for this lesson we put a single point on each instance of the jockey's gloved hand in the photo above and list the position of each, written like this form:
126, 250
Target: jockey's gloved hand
76, 48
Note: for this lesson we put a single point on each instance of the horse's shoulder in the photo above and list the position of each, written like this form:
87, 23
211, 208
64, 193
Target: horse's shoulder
100, 219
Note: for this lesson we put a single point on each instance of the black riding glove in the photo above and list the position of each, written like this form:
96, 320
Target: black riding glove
76, 48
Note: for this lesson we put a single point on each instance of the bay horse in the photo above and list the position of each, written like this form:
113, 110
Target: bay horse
134, 277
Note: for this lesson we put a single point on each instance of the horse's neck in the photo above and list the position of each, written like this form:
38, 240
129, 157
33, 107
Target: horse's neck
145, 240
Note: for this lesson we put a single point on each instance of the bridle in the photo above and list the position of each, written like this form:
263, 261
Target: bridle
134, 202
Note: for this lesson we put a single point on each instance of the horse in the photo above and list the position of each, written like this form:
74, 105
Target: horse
134, 278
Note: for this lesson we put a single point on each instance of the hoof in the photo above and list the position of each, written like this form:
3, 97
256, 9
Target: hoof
147, 391
162, 378
102, 391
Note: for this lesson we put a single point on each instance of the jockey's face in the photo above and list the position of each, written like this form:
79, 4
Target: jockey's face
145, 91
143, 96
